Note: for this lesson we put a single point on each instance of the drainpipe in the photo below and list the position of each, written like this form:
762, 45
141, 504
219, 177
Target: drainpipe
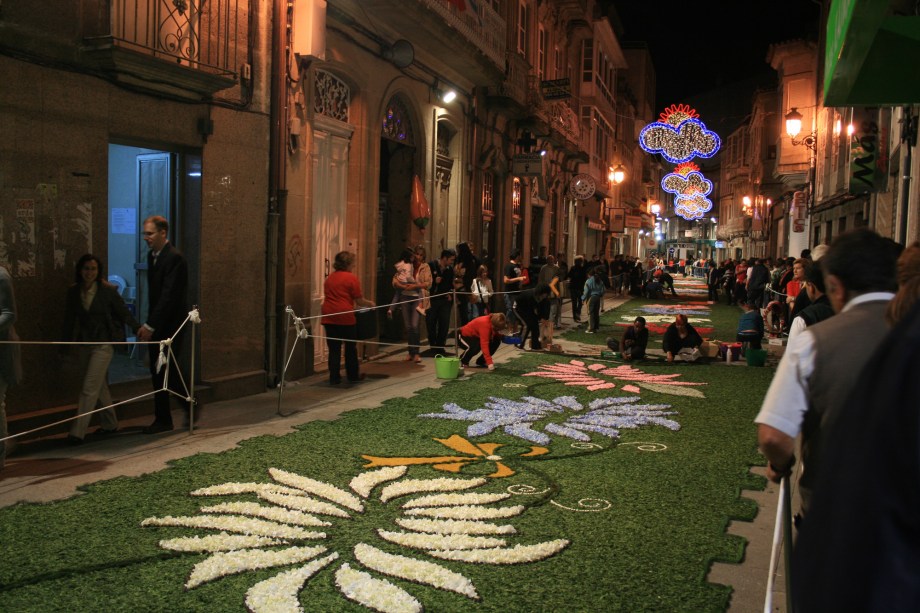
277, 192
909, 138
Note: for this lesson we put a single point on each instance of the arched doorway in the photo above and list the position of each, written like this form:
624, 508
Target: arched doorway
397, 168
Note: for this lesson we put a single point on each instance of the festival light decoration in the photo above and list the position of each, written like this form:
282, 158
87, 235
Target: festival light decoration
679, 136
690, 188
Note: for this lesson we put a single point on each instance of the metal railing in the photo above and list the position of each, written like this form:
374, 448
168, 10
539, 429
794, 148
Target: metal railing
483, 27
209, 35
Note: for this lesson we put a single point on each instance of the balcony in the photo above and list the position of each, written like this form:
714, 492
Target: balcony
188, 48
513, 91
470, 42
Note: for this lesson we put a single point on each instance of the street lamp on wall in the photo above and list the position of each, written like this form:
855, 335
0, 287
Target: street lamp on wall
617, 175
794, 127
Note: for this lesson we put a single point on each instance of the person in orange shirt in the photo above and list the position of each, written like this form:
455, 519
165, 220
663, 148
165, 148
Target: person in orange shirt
341, 296
482, 335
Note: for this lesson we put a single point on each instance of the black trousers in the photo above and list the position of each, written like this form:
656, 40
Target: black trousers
530, 327
471, 345
349, 333
437, 320
162, 405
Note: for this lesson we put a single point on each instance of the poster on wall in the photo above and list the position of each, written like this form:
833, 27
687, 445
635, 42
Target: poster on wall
617, 220
124, 221
21, 250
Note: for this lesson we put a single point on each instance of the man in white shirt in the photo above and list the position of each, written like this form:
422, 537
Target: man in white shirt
822, 363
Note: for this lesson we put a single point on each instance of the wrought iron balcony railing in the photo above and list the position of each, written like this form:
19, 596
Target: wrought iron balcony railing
207, 35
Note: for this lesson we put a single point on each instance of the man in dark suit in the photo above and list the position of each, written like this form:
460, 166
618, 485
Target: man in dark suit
167, 286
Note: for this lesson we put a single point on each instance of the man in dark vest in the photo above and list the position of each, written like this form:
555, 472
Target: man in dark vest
818, 369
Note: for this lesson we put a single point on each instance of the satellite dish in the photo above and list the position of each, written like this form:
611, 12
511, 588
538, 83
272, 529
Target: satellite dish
401, 53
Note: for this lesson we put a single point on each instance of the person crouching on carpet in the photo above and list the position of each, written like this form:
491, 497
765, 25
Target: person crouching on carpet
482, 335
531, 306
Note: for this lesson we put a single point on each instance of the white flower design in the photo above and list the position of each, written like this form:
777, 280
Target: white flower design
442, 519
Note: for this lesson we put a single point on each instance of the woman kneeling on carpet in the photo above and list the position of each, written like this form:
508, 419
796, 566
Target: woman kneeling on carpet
681, 340
483, 334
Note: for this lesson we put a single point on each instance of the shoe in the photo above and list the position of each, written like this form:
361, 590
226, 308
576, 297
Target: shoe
105, 432
480, 363
157, 427
418, 359
520, 346
589, 331
335, 381
360, 378
74, 440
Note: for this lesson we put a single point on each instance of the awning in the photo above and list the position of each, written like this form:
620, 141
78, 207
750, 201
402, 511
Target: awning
871, 55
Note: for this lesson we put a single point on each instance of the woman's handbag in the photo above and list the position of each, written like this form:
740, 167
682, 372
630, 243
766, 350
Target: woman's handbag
366, 324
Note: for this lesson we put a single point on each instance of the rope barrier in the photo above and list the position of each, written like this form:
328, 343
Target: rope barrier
166, 356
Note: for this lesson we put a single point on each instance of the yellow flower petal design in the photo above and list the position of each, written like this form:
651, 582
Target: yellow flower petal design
489, 448
501, 471
374, 461
535, 451
281, 592
451, 468
223, 564
418, 571
458, 443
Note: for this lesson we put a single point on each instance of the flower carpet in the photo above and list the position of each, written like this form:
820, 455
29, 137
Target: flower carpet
549, 483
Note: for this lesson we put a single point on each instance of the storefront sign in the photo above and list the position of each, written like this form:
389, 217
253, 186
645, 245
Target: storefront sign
556, 89
527, 165
869, 150
633, 221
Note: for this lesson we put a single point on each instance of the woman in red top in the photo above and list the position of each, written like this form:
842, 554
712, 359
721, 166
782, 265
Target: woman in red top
483, 334
342, 292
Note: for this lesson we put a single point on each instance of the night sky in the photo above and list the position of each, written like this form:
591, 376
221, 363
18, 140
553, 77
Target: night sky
699, 46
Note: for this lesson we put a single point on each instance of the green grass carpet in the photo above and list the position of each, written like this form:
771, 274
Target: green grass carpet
639, 517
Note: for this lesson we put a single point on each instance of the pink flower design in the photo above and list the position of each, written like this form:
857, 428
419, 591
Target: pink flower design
577, 373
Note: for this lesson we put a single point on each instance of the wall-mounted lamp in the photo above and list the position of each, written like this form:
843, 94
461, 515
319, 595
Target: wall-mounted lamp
617, 175
655, 208
445, 93
794, 126
746, 205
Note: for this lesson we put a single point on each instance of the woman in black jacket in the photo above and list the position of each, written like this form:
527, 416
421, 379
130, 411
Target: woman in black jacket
94, 312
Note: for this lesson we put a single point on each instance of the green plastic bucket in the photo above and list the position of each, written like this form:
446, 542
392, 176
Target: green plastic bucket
445, 367
756, 357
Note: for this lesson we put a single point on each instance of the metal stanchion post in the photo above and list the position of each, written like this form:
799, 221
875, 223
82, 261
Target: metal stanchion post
456, 313
284, 363
192, 405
